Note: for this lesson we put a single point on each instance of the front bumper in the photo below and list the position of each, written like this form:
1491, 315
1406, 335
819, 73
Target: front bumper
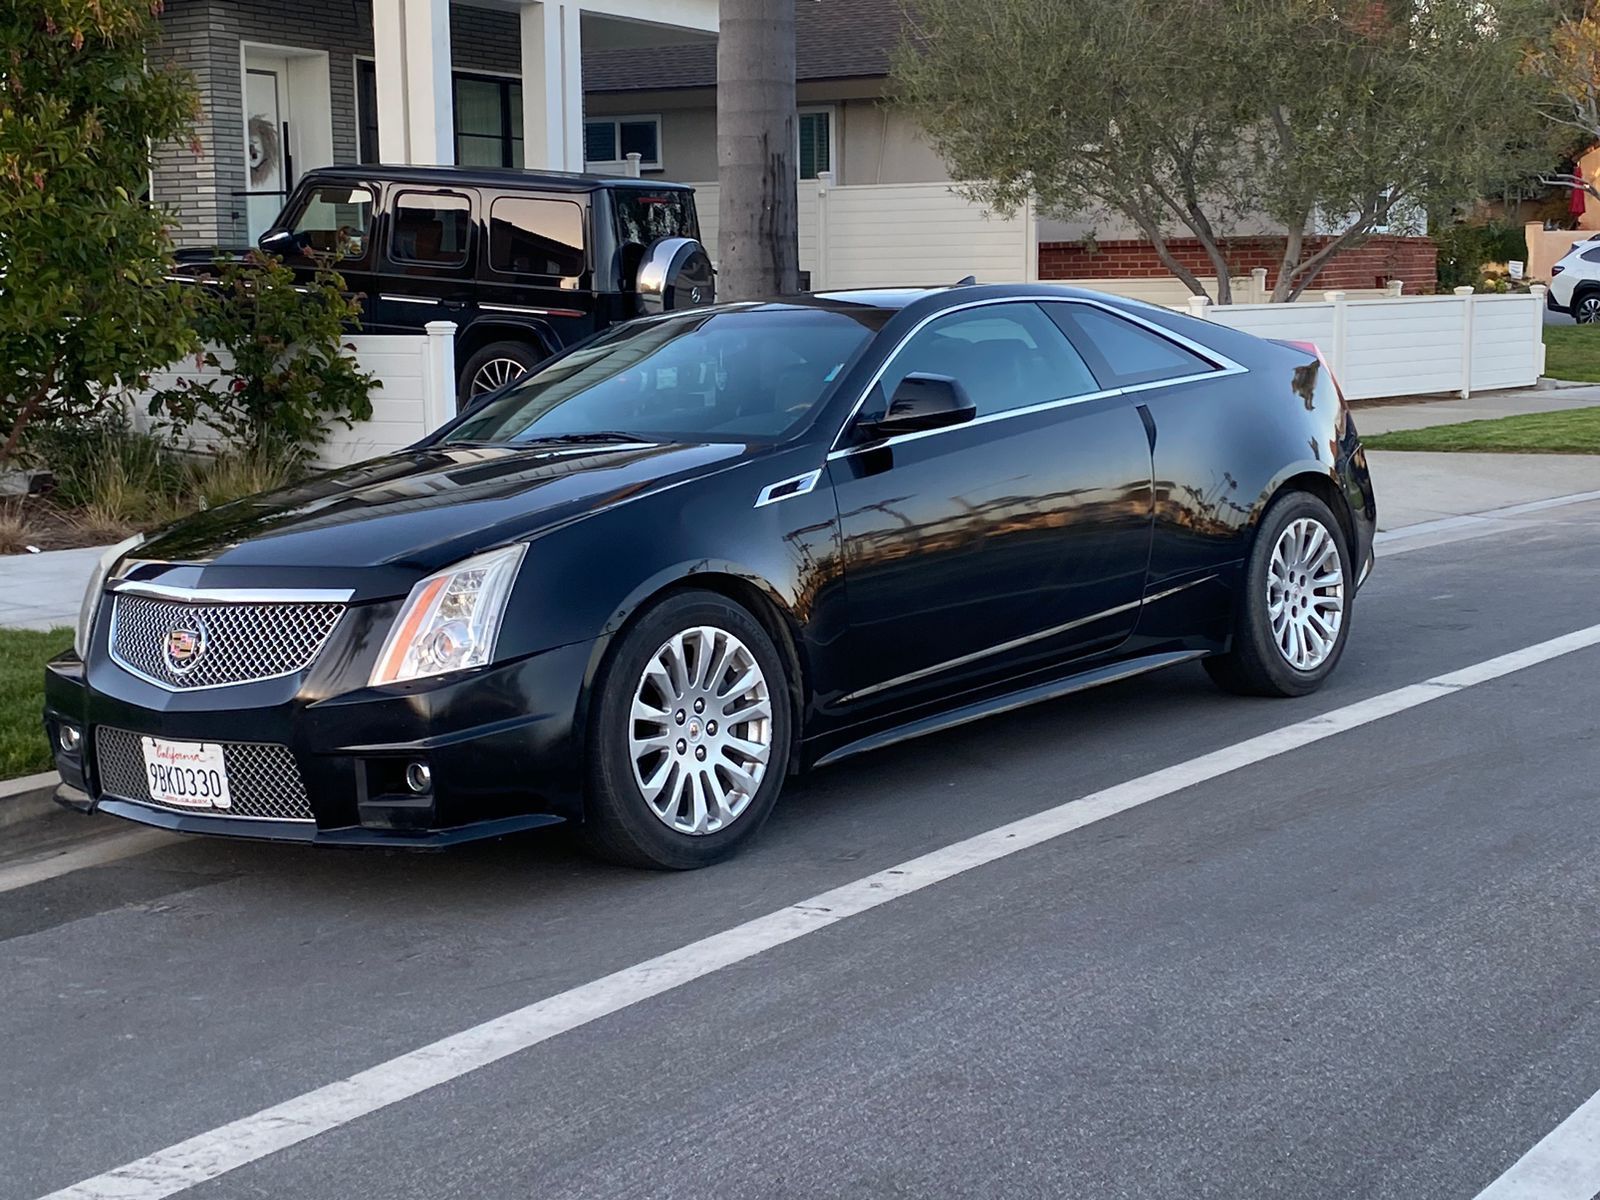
500, 744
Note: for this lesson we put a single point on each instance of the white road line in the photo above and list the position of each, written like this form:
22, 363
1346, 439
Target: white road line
218, 1151
95, 854
1565, 1165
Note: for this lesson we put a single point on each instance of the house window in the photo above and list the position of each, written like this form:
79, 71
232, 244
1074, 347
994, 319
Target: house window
488, 117
488, 121
612, 139
816, 141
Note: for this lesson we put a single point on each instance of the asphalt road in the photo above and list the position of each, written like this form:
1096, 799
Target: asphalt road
1363, 967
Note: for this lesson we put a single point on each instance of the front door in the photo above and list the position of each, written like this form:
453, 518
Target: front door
1013, 541
269, 165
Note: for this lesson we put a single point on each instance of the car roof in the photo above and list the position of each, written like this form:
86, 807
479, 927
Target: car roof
501, 177
902, 297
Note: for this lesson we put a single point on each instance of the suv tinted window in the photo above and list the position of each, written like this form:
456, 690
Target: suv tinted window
331, 213
1590, 256
1124, 354
536, 237
430, 228
1006, 356
644, 216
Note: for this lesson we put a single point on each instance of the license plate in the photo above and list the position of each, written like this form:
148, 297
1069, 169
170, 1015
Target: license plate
186, 774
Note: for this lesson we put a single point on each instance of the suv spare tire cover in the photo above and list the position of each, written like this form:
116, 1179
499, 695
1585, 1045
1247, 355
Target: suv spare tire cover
675, 273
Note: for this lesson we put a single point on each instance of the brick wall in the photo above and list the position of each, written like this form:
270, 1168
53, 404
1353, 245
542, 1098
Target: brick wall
204, 37
1371, 264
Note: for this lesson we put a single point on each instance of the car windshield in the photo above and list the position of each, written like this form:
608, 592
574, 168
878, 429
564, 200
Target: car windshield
717, 375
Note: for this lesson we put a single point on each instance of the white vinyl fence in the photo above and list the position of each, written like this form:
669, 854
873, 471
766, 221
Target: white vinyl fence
417, 394
1408, 345
888, 234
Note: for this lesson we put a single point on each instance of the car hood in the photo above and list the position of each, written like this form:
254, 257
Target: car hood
388, 519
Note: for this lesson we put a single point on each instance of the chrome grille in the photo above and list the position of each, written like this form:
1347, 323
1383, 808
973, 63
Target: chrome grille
238, 643
263, 780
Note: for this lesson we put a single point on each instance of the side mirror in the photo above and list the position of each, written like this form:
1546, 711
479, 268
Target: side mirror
923, 402
279, 242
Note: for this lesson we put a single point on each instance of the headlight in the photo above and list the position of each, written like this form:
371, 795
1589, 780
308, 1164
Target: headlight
96, 589
451, 620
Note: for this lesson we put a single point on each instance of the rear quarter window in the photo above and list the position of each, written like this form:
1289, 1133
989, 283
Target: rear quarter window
1122, 353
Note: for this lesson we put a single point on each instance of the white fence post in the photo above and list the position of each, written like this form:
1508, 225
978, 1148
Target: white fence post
1336, 354
1030, 243
632, 169
1258, 285
439, 378
819, 274
1198, 306
1537, 291
1468, 308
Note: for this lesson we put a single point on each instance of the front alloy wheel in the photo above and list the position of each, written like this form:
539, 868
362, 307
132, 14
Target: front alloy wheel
688, 741
701, 733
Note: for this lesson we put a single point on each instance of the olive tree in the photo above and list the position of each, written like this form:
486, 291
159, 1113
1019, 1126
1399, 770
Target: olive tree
1314, 121
84, 301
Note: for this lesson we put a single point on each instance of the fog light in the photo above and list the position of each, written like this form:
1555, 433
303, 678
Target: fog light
419, 777
69, 738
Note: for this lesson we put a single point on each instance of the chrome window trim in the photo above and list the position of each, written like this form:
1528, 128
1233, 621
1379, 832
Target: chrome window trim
1016, 643
1224, 366
802, 484
407, 299
183, 595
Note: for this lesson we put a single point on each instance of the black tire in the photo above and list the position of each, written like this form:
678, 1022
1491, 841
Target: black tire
1255, 666
619, 823
469, 386
1586, 306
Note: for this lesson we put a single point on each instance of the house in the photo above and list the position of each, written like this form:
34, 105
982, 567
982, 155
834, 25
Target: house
663, 102
287, 85
582, 84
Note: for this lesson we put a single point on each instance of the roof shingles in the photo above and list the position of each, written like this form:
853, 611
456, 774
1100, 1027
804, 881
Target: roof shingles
834, 39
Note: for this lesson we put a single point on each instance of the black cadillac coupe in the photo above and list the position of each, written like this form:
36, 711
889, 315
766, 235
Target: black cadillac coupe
700, 552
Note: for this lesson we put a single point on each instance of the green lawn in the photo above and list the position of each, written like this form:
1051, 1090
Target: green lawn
1572, 352
1575, 431
23, 653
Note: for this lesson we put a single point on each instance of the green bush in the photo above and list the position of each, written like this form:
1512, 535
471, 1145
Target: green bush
86, 304
1464, 249
290, 377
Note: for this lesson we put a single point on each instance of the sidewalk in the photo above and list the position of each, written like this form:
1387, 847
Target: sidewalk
1489, 406
43, 591
1414, 487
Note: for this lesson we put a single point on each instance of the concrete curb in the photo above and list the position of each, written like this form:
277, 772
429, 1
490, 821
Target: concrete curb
27, 798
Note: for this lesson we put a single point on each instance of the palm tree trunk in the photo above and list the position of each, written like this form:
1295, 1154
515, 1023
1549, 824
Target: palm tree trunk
757, 234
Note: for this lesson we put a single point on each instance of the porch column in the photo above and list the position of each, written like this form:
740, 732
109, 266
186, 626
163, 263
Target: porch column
552, 86
416, 107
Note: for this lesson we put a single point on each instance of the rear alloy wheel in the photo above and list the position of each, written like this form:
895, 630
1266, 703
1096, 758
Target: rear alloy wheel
1293, 619
494, 366
1586, 308
691, 736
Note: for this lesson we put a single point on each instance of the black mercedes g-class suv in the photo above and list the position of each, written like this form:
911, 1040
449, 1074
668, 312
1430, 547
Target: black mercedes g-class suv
524, 262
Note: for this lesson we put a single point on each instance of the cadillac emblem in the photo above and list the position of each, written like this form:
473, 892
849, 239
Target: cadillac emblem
184, 645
